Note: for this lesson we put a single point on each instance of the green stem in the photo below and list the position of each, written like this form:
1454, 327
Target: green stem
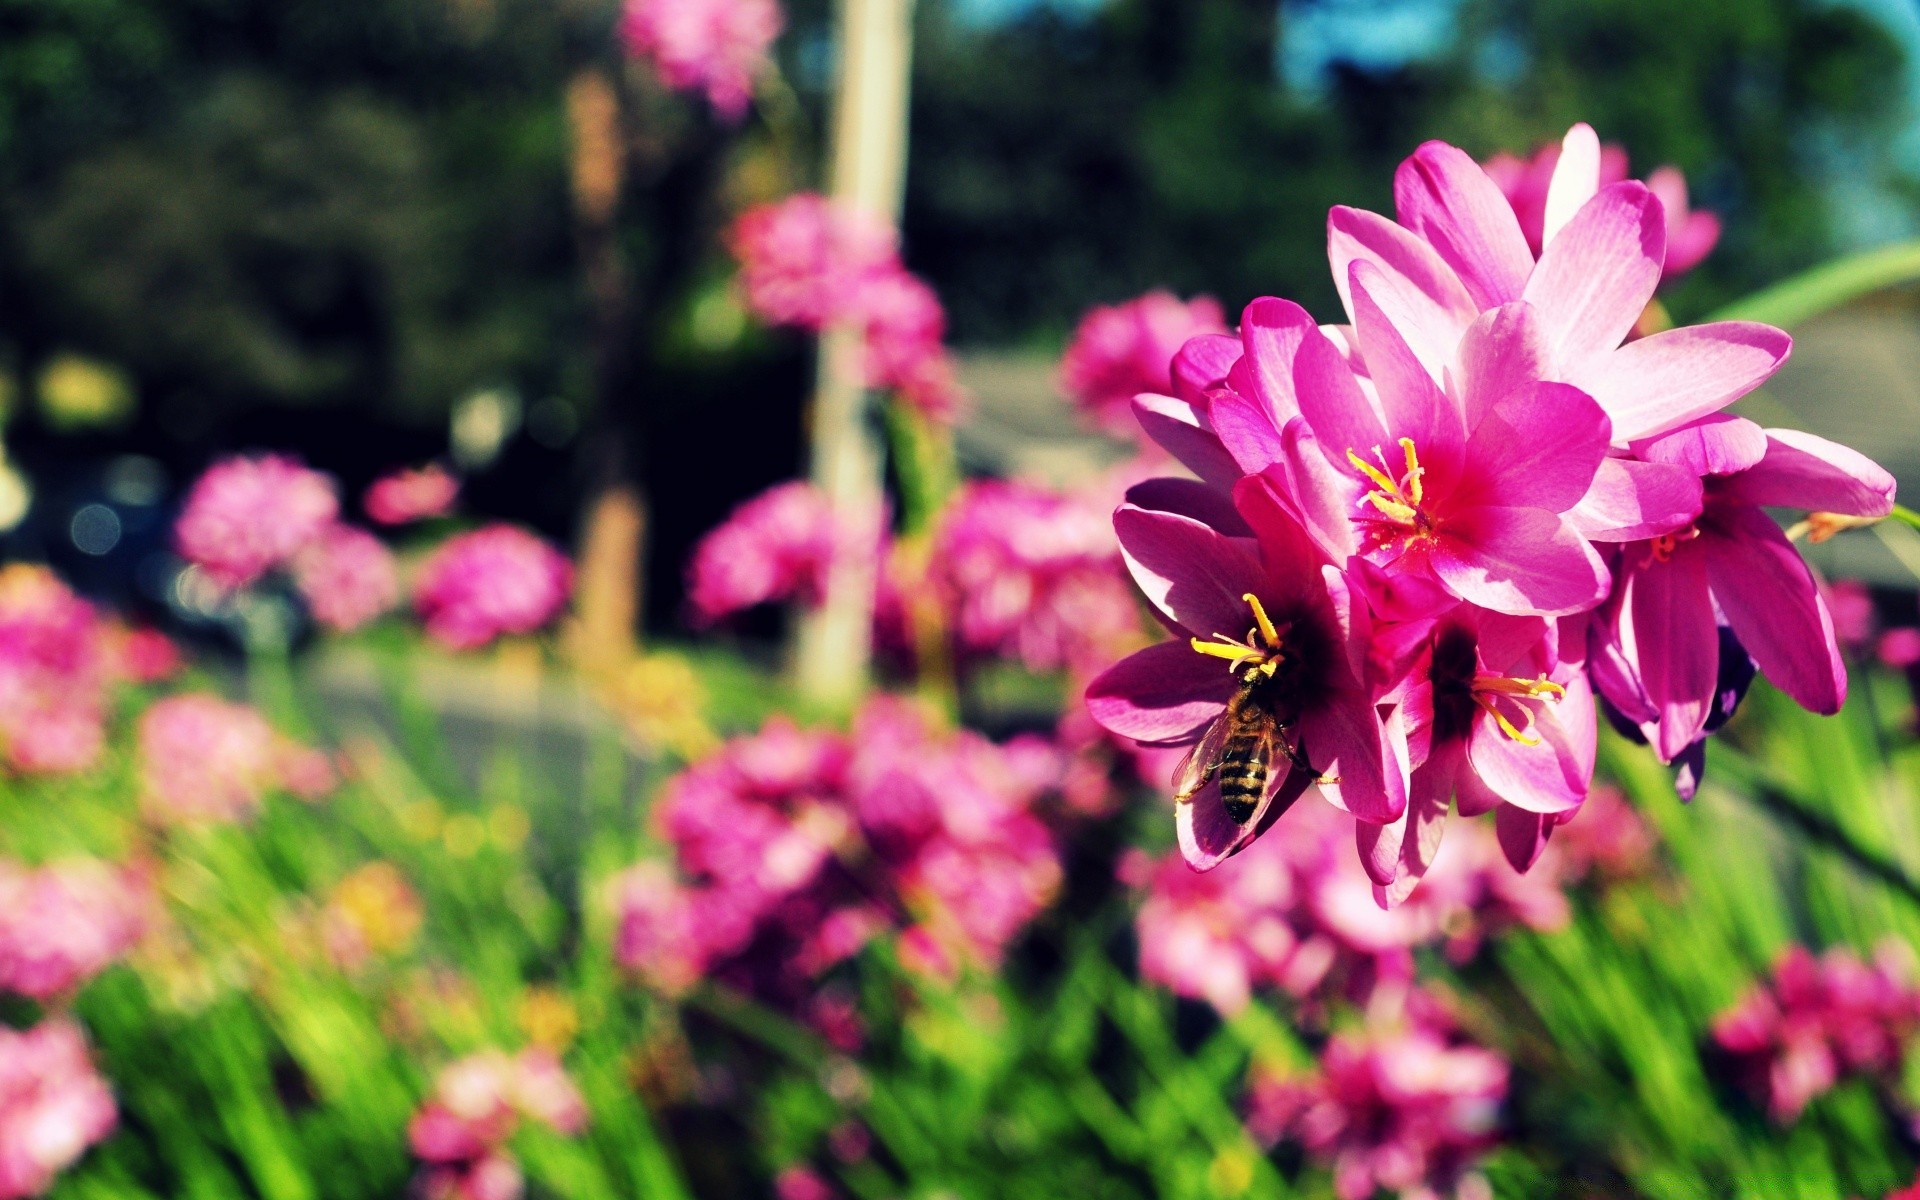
1905, 516
1828, 286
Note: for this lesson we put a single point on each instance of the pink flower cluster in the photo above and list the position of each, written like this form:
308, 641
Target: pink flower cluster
1528, 182
715, 47
773, 548
1793, 1036
1122, 350
460, 1134
54, 672
246, 517
60, 925
1418, 544
207, 760
494, 581
53, 1105
1403, 1106
792, 849
411, 494
806, 262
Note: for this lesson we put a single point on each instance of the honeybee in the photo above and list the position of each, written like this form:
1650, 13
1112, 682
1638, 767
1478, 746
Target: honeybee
1238, 748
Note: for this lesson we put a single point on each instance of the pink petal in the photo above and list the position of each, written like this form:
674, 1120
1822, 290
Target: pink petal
1666, 631
1631, 500
1184, 431
1363, 767
1194, 575
1538, 446
1552, 775
1202, 364
1208, 836
1163, 694
1272, 331
1291, 580
1398, 854
1503, 351
1443, 195
1245, 426
1319, 494
1522, 835
1594, 280
1576, 177
1519, 560
1774, 606
1661, 382
1411, 402
1800, 470
1419, 293
1190, 498
1718, 444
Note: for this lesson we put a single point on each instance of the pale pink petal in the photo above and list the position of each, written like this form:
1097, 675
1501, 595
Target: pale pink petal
1194, 575
1245, 426
1800, 470
1202, 364
1631, 500
1519, 560
1411, 402
1165, 693
1442, 194
1717, 444
1419, 293
1551, 775
1576, 177
1502, 351
1661, 382
1183, 430
1770, 598
1538, 446
1398, 854
1594, 280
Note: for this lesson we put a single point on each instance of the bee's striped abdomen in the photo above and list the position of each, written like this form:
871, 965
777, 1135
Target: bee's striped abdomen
1243, 775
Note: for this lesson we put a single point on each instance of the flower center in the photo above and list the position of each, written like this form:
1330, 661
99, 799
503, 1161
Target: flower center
1259, 653
1396, 495
1509, 701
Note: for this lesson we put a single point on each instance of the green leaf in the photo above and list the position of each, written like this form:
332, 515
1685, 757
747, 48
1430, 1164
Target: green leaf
1828, 286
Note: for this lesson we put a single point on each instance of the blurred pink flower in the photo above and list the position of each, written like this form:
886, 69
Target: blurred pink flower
1217, 935
491, 1176
61, 925
1122, 350
53, 1105
775, 547
717, 47
53, 673
905, 330
347, 577
802, 1183
1036, 575
1792, 1036
1405, 1108
142, 655
1608, 841
204, 759
477, 1103
1850, 605
246, 516
411, 494
493, 581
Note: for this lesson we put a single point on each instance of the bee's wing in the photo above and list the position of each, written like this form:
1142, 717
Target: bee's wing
1200, 763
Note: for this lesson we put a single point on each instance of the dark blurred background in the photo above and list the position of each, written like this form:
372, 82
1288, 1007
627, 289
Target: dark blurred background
349, 227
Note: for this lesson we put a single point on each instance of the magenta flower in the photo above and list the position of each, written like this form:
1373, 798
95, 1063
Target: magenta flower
492, 582
53, 1105
142, 655
460, 1134
715, 47
1122, 350
775, 547
54, 672
1300, 660
1218, 936
347, 577
63, 924
1691, 233
246, 516
805, 261
411, 494
905, 327
204, 759
1407, 1110
1656, 650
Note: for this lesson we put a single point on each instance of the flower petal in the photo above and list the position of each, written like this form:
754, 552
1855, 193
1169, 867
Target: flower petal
1190, 498
1164, 694
1419, 293
1595, 278
1272, 331
1554, 773
1538, 446
1208, 836
1716, 444
1774, 606
1202, 365
1502, 351
1665, 632
1443, 195
1631, 500
1518, 560
1183, 430
1576, 177
1193, 574
1804, 471
1363, 766
1398, 854
1522, 835
1662, 381
1411, 402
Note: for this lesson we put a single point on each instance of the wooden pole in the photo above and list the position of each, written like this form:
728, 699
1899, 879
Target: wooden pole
834, 652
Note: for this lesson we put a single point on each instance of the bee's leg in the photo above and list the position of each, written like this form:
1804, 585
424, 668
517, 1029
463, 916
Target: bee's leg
1298, 758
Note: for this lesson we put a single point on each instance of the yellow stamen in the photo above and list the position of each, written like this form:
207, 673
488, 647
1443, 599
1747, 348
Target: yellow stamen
1374, 473
1541, 688
1525, 737
1393, 510
1268, 633
1223, 648
1414, 471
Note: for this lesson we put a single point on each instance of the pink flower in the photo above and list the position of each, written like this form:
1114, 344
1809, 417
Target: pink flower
1122, 350
61, 925
1035, 575
494, 1176
802, 1183
494, 581
1405, 1109
905, 330
1302, 656
53, 673
143, 655
347, 576
53, 1105
460, 1134
1220, 935
805, 261
772, 548
1791, 1037
204, 759
411, 494
246, 516
1610, 840
717, 47
1691, 234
